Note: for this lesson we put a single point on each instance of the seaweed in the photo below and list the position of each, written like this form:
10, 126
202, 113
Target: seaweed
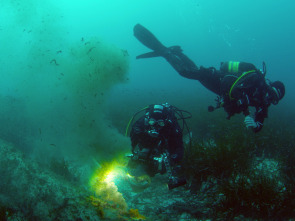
253, 196
242, 175
219, 158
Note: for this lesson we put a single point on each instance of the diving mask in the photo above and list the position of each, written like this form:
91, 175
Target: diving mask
154, 122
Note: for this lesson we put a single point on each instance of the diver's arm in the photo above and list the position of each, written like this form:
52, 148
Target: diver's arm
260, 115
261, 112
257, 123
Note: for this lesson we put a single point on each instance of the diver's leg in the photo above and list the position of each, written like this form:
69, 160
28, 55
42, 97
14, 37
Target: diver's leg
208, 77
211, 79
179, 61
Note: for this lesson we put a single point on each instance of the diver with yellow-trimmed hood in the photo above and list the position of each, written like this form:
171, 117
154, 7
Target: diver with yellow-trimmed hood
238, 85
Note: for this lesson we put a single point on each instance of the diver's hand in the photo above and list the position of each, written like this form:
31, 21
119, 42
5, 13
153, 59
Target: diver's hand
250, 122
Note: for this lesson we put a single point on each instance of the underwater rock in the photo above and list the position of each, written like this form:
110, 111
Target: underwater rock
30, 192
267, 167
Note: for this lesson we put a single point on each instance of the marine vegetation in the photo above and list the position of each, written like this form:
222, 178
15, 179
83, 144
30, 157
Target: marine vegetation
243, 175
253, 196
220, 157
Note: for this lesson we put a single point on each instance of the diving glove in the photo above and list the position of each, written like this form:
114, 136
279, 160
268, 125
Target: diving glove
250, 122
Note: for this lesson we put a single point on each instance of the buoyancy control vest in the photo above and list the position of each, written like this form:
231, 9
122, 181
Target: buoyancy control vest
239, 76
241, 85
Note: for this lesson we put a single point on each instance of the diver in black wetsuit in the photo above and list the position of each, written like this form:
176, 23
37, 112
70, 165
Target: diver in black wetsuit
238, 85
157, 145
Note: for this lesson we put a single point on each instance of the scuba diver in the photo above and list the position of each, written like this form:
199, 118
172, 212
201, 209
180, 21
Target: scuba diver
157, 145
238, 85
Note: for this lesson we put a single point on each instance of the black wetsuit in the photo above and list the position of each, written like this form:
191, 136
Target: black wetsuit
170, 139
157, 154
253, 91
220, 82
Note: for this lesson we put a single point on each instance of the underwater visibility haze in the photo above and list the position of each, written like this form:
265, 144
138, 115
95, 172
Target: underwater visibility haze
70, 83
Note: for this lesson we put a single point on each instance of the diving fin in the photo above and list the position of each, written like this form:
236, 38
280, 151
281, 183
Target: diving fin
149, 40
148, 55
173, 49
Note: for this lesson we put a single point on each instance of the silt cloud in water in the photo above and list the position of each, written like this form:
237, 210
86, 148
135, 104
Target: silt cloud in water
58, 87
